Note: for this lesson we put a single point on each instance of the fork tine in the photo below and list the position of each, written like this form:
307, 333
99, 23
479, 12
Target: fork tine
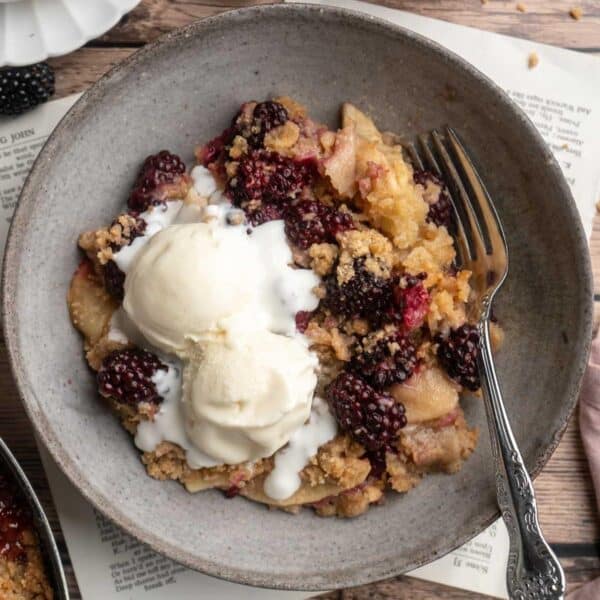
461, 240
476, 239
415, 159
486, 206
430, 161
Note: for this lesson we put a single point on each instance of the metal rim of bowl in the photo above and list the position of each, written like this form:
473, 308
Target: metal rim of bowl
41, 523
341, 578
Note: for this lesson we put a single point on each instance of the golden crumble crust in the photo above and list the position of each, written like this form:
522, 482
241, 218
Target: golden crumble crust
166, 461
434, 448
402, 474
430, 191
325, 338
322, 258
239, 146
369, 244
90, 305
283, 138
341, 461
361, 172
433, 253
449, 297
118, 234
25, 580
295, 110
350, 503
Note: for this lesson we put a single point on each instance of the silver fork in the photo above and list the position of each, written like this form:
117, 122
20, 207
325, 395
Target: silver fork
533, 571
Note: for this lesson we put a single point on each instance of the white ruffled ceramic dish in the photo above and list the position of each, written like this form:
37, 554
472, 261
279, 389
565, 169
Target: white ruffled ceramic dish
33, 30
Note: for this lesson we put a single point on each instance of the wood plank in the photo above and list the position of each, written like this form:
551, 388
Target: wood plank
564, 484
77, 71
544, 21
151, 18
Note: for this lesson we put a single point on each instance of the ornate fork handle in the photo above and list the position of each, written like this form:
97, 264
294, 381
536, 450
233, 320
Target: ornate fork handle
533, 571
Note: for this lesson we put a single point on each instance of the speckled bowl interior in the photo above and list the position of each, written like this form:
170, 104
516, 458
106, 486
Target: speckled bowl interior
181, 91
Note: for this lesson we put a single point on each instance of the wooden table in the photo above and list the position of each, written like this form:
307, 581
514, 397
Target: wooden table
566, 499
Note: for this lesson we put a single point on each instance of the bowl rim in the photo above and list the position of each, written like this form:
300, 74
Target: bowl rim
336, 577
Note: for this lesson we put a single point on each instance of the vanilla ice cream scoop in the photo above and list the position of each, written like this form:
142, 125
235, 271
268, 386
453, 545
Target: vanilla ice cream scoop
246, 394
189, 279
223, 299
197, 278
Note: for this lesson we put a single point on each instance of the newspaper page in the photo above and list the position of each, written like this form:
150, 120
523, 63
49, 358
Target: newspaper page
21, 139
560, 97
110, 564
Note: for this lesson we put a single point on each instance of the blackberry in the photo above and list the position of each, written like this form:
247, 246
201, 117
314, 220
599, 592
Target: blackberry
440, 212
312, 222
126, 376
372, 418
23, 88
377, 462
267, 177
255, 125
458, 352
364, 295
410, 301
212, 151
157, 172
232, 491
264, 212
131, 225
251, 179
114, 278
241, 124
391, 360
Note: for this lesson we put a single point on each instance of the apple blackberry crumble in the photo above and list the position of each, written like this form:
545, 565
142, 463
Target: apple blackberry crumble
22, 573
285, 320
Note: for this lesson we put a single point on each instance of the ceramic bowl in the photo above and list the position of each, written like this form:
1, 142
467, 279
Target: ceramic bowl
181, 91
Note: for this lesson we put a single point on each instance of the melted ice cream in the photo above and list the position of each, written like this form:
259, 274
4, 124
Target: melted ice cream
217, 302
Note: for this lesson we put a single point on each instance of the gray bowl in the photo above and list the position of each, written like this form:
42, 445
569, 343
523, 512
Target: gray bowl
184, 89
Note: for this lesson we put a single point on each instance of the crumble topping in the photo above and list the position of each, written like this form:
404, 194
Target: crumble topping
533, 60
22, 571
391, 300
576, 13
239, 147
323, 257
368, 243
282, 138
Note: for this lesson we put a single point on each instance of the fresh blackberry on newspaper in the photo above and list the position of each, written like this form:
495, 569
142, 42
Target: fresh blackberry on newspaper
23, 88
